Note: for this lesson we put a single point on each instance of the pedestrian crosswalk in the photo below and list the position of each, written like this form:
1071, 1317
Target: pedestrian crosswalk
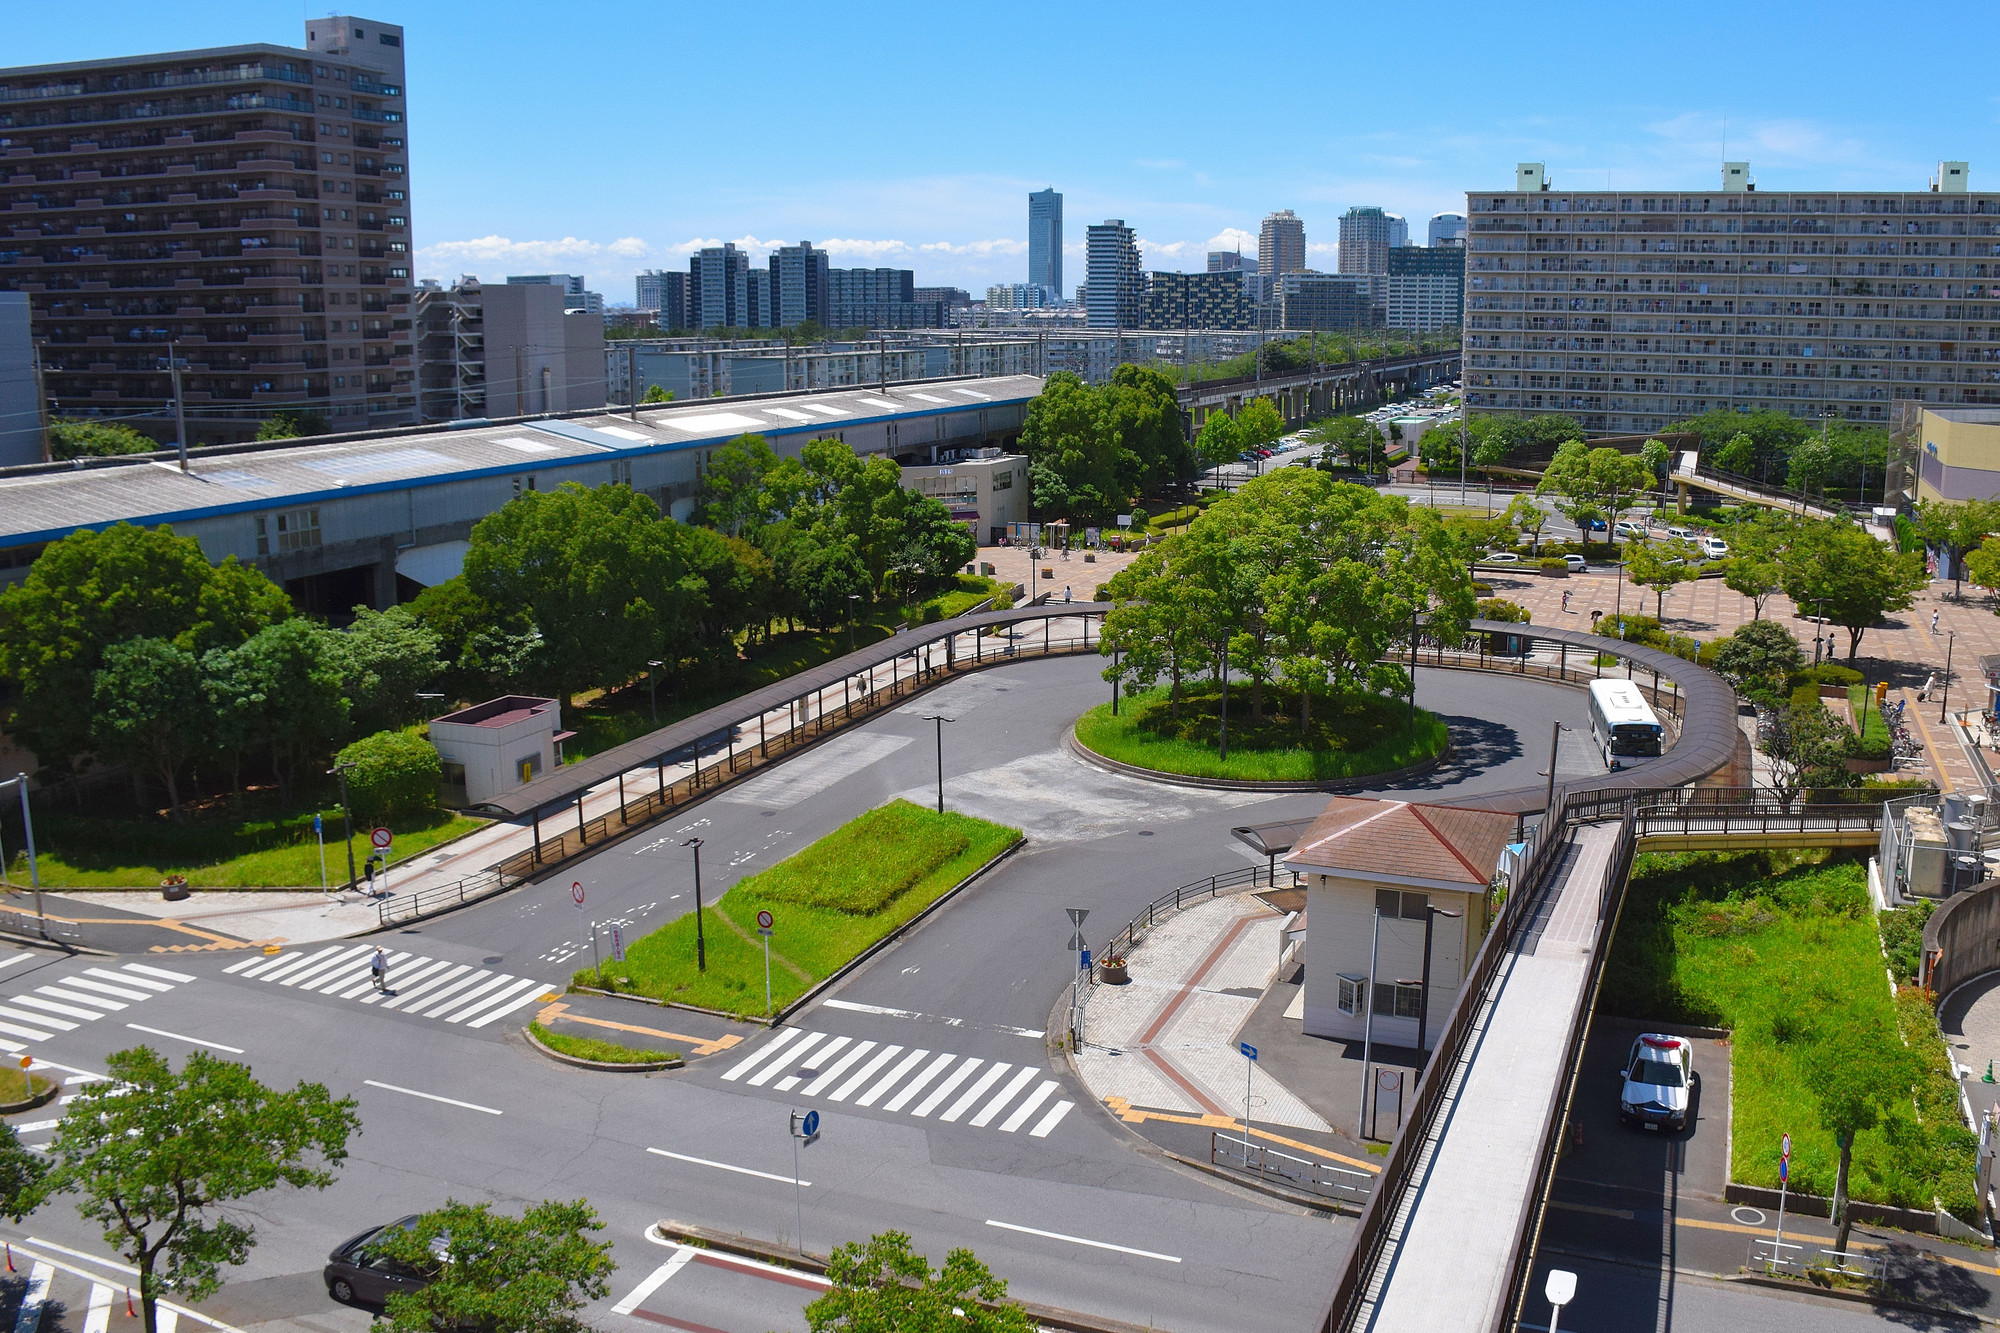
427, 987
951, 1089
66, 1003
54, 1293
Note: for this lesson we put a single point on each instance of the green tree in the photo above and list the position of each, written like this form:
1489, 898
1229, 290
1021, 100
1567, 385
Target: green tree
1806, 470
96, 439
1982, 565
386, 659
529, 1274
1658, 458
22, 1171
155, 1156
1552, 428
656, 394
1857, 1074
293, 672
1259, 424
1072, 448
1345, 437
1808, 750
885, 1286
1662, 566
1773, 436
394, 773
1219, 441
93, 589
733, 496
1524, 515
1832, 563
1738, 455
288, 423
1568, 478
1953, 527
1760, 655
1146, 414
149, 710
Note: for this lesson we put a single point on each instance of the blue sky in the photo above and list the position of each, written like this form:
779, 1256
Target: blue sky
603, 136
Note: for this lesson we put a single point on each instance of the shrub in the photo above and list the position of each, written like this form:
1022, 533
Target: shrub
1499, 608
1872, 746
1633, 629
860, 867
1482, 589
1554, 567
1831, 673
95, 439
1805, 696
394, 773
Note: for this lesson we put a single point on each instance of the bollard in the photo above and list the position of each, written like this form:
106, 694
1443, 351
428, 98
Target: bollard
130, 1313
10, 1258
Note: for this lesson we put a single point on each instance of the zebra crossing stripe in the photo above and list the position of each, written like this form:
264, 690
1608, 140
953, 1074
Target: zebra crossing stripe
502, 1001
368, 981
978, 1090
320, 969
882, 1057
356, 969
98, 1320
287, 963
916, 1085
1027, 1108
478, 997
771, 1070
42, 1019
839, 1067
946, 1088
1005, 1095
527, 997
442, 995
891, 1078
102, 1004
156, 987
763, 1053
180, 977
1051, 1120
405, 994
122, 992
787, 1084
87, 1015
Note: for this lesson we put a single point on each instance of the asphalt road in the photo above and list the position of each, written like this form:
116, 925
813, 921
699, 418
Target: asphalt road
1065, 1203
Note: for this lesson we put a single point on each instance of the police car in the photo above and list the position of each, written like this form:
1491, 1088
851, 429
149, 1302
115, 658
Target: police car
1653, 1089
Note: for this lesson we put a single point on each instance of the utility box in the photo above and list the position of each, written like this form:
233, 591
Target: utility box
1929, 855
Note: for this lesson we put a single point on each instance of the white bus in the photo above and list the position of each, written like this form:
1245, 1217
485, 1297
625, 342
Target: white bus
1622, 723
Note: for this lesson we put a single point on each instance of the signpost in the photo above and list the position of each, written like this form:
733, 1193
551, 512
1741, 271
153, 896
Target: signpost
1249, 1064
381, 838
805, 1131
583, 924
1784, 1185
617, 944
764, 929
1081, 948
319, 836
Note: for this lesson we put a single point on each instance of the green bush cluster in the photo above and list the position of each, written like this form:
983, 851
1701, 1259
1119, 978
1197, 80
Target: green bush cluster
395, 773
861, 866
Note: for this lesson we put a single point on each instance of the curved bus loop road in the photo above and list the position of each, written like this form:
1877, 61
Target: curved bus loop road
945, 1112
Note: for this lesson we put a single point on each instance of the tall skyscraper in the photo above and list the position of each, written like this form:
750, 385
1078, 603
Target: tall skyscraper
1366, 235
1447, 229
249, 203
1399, 230
1281, 244
719, 288
798, 284
1426, 287
664, 292
1111, 276
1045, 239
1891, 300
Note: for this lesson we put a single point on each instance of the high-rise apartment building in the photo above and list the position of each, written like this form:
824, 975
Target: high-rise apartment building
1366, 237
1196, 301
799, 284
1281, 244
1324, 301
1399, 230
1426, 287
718, 287
1226, 261
1045, 239
1111, 276
665, 293
879, 298
249, 205
1447, 229
20, 400
1631, 309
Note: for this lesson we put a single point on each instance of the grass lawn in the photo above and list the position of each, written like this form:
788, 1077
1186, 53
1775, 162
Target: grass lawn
1861, 702
604, 1052
831, 900
17, 1085
1348, 737
80, 852
1783, 949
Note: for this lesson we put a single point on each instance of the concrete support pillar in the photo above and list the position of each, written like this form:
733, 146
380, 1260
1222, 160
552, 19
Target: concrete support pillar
384, 592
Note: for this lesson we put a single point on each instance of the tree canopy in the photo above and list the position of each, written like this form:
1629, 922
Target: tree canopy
1955, 527
1831, 563
885, 1286
529, 1274
96, 439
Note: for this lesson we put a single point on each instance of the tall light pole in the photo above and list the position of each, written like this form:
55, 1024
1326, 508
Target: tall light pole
940, 720
174, 364
652, 698
700, 941
1431, 914
1942, 701
852, 611
1819, 623
339, 770
20, 780
1555, 739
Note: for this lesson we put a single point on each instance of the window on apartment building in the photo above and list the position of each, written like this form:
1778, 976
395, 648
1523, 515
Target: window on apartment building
1351, 990
1398, 999
294, 529
1408, 906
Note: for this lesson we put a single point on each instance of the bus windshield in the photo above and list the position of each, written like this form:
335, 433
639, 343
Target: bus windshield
1635, 738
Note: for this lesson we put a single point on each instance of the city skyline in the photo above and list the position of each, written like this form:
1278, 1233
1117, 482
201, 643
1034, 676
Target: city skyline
506, 169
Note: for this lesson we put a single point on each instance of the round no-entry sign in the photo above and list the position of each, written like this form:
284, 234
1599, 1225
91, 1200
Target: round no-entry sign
763, 920
381, 837
576, 893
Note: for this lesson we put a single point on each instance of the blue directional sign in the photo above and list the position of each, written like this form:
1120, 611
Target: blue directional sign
810, 1125
1086, 960
1249, 1051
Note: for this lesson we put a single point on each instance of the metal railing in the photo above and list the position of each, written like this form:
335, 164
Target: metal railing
443, 897
1772, 1257
18, 922
1267, 1163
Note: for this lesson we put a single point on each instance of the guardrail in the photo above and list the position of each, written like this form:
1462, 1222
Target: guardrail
442, 897
1333, 1182
16, 922
1775, 1256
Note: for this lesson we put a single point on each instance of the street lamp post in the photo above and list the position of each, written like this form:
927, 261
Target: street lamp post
1819, 623
20, 780
852, 610
652, 698
1431, 914
1946, 698
700, 941
940, 720
1224, 754
1555, 739
339, 770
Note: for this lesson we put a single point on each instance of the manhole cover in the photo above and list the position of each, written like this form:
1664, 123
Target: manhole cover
495, 958
805, 1073
1145, 833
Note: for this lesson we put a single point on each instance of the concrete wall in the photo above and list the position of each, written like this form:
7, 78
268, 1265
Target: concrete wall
1340, 923
20, 415
1962, 939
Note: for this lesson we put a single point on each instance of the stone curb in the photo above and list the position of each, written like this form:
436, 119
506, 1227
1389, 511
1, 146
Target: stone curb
601, 1066
1046, 1316
1803, 1288
42, 1098
1364, 781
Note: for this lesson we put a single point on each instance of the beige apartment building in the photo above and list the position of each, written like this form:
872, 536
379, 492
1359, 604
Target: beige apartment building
1630, 309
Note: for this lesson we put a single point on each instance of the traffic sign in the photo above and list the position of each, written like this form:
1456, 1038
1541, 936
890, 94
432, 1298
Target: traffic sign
381, 837
1249, 1051
1785, 1157
810, 1124
1083, 960
576, 893
1077, 942
1077, 914
763, 920
805, 1126
618, 944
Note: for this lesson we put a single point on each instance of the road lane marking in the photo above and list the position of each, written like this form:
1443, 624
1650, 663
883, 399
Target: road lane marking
836, 1070
654, 1281
945, 1088
756, 1057
104, 1006
1005, 1095
890, 1079
769, 1272
882, 1057
724, 1166
700, 1045
792, 1081
777, 1067
886, 1012
99, 988
1051, 1120
975, 1092
192, 1041
181, 977
12, 959
916, 1085
431, 1097
84, 1255
1079, 1240
1027, 1108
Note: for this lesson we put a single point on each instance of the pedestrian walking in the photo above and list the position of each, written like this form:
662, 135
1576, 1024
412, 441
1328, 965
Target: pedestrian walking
1066, 596
378, 968
1565, 600
1934, 620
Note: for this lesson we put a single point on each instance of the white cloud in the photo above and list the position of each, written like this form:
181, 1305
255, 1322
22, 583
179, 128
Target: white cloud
627, 247
983, 249
1233, 238
1160, 163
864, 248
500, 251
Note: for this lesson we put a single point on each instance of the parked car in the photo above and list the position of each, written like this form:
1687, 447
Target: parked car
1500, 558
1653, 1088
1631, 531
1576, 564
1685, 534
357, 1274
1714, 547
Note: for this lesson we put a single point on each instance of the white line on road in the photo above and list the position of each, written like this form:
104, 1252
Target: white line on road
946, 1088
192, 1041
655, 1280
84, 1255
1006, 1094
975, 1092
771, 1048
776, 1067
853, 1007
1051, 1120
1027, 1108
1079, 1240
888, 1080
792, 1081
914, 1086
724, 1166
180, 977
12, 959
430, 1097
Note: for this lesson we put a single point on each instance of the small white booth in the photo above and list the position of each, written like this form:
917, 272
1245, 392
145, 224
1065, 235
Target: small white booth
497, 746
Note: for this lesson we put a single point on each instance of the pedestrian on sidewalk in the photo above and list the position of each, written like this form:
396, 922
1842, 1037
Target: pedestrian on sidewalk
1066, 596
378, 968
1934, 619
1565, 600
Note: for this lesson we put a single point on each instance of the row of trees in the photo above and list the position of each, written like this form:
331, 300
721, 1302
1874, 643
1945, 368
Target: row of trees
1092, 449
1299, 579
84, 438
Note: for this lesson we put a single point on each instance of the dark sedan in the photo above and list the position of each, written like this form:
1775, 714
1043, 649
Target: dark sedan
358, 1274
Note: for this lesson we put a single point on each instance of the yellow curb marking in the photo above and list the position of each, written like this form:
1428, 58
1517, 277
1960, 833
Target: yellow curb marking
700, 1045
1739, 1229
1123, 1109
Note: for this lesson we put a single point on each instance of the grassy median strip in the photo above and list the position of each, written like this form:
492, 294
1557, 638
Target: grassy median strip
831, 901
1350, 736
604, 1052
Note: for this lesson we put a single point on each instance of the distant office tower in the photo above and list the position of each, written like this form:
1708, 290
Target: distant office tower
1447, 229
1366, 236
575, 296
1878, 307
1045, 239
1111, 276
237, 198
1281, 244
1399, 230
799, 284
1426, 287
1324, 301
665, 292
1226, 261
718, 287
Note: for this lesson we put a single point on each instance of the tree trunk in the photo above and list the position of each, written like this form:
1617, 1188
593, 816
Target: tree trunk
1842, 1223
171, 779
